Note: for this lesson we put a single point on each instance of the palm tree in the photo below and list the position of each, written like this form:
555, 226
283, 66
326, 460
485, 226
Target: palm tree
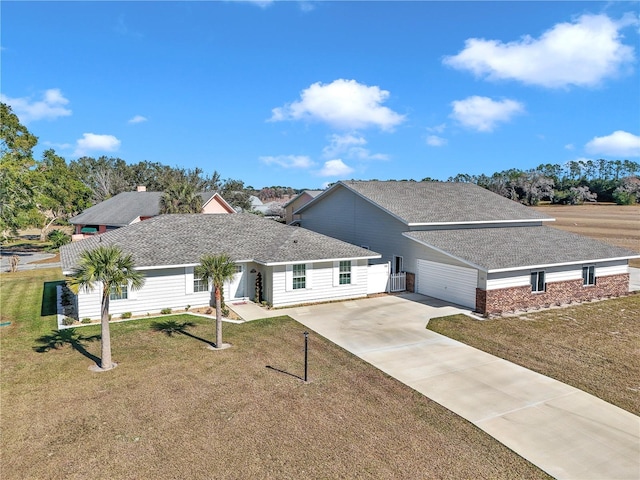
217, 270
113, 269
180, 198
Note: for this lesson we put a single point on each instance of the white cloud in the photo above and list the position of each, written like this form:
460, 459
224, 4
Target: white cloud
436, 141
50, 107
437, 128
569, 146
344, 104
350, 146
483, 113
581, 53
335, 168
288, 161
618, 144
92, 142
138, 119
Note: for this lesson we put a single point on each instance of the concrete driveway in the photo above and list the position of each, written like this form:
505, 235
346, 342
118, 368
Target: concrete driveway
564, 431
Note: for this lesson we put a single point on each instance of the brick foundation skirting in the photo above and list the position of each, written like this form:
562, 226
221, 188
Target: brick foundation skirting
495, 302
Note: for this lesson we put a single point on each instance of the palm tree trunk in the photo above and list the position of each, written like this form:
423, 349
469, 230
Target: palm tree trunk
105, 338
218, 317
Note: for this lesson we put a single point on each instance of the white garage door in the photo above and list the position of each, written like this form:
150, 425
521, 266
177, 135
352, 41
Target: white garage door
447, 282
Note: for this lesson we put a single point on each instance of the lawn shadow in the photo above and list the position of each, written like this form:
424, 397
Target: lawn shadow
172, 327
49, 298
59, 338
285, 372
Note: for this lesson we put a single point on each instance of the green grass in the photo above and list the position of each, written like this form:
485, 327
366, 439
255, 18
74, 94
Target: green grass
593, 346
24, 301
175, 409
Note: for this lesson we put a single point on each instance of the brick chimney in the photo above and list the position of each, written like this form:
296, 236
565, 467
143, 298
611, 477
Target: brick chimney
141, 188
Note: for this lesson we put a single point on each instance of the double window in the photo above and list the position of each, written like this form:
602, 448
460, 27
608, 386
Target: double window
589, 275
299, 276
344, 274
537, 282
122, 295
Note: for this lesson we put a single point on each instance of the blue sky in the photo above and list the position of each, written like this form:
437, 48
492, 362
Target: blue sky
304, 93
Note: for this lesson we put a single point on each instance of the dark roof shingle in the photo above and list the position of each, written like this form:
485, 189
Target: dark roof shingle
441, 202
511, 248
182, 239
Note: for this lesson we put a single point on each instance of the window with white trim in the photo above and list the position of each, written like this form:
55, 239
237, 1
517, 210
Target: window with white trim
344, 274
538, 284
200, 285
588, 275
299, 276
122, 295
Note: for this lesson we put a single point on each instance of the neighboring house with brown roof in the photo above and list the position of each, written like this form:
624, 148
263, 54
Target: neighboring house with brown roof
464, 244
276, 263
296, 202
127, 208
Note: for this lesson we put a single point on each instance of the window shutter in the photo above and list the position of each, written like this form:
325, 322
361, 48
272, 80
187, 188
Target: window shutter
309, 274
131, 293
188, 280
336, 274
288, 278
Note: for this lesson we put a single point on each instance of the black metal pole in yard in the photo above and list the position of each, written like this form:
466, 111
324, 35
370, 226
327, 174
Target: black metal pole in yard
306, 354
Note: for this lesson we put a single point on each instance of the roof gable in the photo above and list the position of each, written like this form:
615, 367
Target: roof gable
437, 203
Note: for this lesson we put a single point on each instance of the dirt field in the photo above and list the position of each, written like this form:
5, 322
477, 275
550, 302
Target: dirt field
615, 224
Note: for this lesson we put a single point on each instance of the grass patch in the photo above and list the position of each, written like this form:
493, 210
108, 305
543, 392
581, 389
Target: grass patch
175, 409
592, 346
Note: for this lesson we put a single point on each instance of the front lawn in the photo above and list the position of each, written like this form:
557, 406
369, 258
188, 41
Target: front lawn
594, 346
174, 409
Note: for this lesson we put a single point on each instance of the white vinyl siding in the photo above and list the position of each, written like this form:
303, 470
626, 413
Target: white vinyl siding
343, 273
447, 282
164, 288
299, 276
322, 288
563, 273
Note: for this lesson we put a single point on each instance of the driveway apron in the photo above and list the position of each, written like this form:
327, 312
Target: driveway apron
564, 431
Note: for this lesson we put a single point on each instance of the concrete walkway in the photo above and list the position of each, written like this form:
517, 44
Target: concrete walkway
564, 431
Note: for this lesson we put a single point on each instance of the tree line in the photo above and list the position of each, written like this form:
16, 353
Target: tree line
573, 183
48, 191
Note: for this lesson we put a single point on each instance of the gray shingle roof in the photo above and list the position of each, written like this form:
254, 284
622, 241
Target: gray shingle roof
182, 239
121, 209
511, 248
312, 193
124, 208
440, 202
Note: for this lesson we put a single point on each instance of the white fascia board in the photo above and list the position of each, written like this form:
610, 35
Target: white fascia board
180, 265
480, 222
448, 254
562, 264
318, 260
